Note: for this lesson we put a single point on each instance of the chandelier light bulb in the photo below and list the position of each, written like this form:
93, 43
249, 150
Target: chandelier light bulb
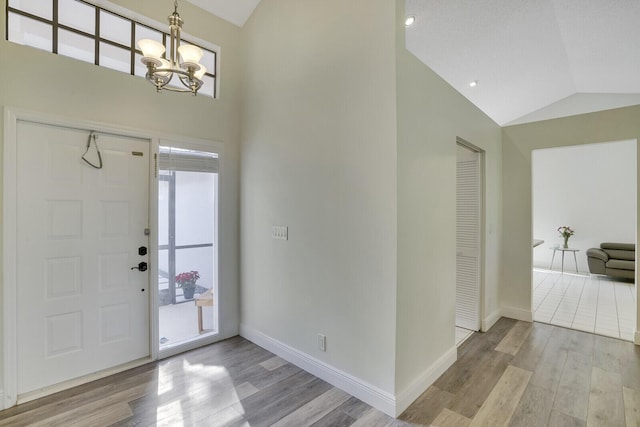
190, 54
151, 48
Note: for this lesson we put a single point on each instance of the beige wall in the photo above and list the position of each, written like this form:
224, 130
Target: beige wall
39, 81
431, 115
518, 142
318, 156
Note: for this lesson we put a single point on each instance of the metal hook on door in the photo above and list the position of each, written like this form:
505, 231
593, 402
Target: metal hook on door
93, 136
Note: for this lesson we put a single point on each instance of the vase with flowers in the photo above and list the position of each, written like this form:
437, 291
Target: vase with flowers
187, 281
566, 232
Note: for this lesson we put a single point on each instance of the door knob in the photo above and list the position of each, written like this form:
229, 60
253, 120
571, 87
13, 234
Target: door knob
141, 267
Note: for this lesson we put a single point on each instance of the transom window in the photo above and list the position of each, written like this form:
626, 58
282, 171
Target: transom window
81, 30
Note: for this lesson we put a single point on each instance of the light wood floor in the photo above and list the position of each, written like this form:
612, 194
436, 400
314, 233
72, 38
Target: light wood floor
517, 374
524, 374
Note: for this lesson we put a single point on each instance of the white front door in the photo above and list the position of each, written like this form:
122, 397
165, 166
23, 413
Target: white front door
80, 306
468, 238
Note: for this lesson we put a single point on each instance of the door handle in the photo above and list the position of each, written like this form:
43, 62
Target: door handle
140, 267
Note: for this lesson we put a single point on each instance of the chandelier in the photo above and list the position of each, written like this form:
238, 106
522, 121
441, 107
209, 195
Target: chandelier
183, 60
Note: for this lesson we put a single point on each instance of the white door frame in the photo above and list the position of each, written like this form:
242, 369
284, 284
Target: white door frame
482, 231
9, 227
210, 147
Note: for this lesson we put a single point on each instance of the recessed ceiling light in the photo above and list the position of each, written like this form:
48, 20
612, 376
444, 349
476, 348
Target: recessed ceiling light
473, 83
409, 21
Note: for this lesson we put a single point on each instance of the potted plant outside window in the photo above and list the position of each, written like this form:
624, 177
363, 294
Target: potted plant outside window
187, 281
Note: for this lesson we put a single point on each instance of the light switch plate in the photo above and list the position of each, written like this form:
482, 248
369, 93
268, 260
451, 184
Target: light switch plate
280, 232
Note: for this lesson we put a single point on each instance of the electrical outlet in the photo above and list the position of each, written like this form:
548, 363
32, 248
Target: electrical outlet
322, 342
280, 232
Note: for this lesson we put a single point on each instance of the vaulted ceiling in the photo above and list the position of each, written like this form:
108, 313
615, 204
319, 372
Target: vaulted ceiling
529, 54
532, 59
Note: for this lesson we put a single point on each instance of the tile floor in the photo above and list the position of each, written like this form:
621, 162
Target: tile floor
462, 335
179, 323
594, 304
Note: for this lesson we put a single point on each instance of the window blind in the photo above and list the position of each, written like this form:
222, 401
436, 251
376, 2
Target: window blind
187, 160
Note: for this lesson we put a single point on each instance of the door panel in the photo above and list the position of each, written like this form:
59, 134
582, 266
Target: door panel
81, 308
468, 239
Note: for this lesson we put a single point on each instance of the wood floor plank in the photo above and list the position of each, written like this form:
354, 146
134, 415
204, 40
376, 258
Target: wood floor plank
606, 404
274, 407
631, 406
63, 417
245, 390
561, 338
333, 419
512, 342
473, 394
607, 353
273, 363
572, 396
501, 404
549, 368
630, 366
101, 417
373, 418
315, 409
533, 409
448, 418
262, 378
427, 407
227, 417
582, 342
353, 407
71, 399
558, 419
532, 348
352, 410
489, 339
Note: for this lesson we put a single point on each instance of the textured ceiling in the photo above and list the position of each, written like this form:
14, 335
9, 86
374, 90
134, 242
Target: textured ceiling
528, 54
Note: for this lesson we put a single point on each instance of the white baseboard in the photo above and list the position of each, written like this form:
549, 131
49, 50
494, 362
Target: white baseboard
364, 391
637, 338
490, 320
428, 377
517, 313
2, 400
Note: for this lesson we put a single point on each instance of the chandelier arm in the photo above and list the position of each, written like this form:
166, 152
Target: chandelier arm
191, 83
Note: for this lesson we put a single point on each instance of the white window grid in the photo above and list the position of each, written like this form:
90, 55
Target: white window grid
102, 41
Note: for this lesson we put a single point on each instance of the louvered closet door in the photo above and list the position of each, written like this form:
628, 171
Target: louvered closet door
468, 239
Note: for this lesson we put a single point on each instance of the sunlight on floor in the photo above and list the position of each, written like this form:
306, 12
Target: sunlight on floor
186, 396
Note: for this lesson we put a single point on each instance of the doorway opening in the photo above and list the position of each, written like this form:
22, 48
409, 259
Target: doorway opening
187, 245
591, 189
469, 238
